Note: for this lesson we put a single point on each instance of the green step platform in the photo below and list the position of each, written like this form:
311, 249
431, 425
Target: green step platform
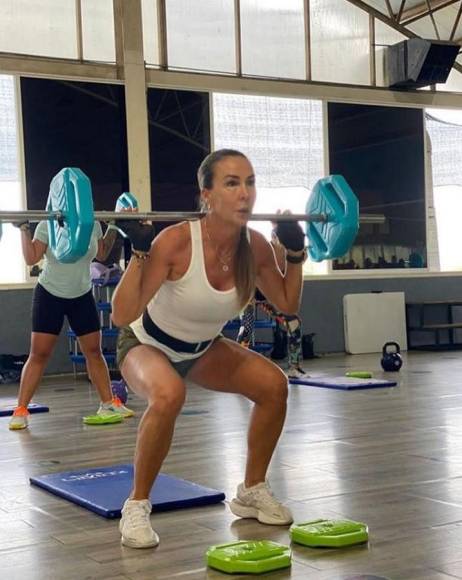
102, 419
329, 533
249, 557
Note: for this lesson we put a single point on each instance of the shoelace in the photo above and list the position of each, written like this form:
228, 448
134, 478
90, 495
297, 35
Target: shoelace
138, 516
20, 412
265, 495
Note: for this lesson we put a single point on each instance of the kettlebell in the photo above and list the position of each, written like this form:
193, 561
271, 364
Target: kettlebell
391, 361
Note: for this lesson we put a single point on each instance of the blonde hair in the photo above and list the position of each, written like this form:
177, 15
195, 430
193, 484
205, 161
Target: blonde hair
245, 274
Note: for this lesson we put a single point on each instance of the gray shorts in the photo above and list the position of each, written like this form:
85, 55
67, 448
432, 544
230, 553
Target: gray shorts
127, 340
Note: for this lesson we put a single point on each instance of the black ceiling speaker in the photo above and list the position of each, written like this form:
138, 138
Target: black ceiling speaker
418, 62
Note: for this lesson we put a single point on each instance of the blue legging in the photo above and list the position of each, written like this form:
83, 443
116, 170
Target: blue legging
291, 325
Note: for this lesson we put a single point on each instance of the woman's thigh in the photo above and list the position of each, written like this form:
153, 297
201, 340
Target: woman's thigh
82, 315
149, 373
42, 344
90, 343
47, 312
231, 368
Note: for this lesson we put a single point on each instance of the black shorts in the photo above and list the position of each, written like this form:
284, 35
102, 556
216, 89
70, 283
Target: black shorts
48, 312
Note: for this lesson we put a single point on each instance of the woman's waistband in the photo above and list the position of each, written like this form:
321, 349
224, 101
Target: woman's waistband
174, 343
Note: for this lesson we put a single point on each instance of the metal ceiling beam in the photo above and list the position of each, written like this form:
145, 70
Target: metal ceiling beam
301, 89
390, 9
44, 67
456, 24
383, 17
435, 26
37, 66
393, 23
400, 11
424, 9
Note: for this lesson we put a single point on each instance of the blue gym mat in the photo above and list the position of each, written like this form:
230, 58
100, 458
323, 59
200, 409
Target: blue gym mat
343, 383
7, 410
104, 490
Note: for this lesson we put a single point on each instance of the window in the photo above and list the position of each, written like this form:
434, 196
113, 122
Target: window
444, 128
11, 197
283, 140
62, 123
150, 40
380, 152
339, 42
263, 24
192, 28
98, 30
39, 27
179, 129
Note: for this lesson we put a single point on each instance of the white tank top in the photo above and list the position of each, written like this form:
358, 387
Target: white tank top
189, 309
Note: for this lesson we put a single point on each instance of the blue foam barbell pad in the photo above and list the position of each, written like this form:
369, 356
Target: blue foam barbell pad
104, 490
343, 383
8, 410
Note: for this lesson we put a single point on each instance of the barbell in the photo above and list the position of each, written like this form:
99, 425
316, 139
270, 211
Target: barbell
332, 216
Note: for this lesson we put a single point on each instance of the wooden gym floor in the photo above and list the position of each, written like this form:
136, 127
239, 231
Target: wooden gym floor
389, 457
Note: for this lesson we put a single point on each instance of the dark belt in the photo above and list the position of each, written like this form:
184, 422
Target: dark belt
174, 343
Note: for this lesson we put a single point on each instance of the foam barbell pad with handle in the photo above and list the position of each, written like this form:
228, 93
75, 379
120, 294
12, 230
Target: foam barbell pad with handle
333, 238
126, 201
70, 193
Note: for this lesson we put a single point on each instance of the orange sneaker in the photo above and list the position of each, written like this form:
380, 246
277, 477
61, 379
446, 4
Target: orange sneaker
19, 420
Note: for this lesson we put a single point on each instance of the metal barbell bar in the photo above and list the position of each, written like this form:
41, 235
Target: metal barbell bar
168, 216
331, 216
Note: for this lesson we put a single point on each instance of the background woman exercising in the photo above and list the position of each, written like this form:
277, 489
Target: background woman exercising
64, 290
288, 330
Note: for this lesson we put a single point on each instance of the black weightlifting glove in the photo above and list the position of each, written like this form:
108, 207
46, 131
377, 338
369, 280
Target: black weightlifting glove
290, 235
22, 225
139, 234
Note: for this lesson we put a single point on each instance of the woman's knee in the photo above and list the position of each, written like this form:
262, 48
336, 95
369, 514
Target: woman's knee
40, 356
168, 401
280, 388
93, 353
91, 350
90, 344
274, 388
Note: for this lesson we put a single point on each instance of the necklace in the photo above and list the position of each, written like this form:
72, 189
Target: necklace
224, 257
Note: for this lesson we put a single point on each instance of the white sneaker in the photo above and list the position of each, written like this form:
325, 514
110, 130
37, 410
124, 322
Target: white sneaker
115, 408
259, 502
135, 524
296, 373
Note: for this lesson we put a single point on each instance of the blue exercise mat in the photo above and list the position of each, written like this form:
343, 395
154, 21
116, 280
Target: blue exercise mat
343, 383
104, 490
8, 410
